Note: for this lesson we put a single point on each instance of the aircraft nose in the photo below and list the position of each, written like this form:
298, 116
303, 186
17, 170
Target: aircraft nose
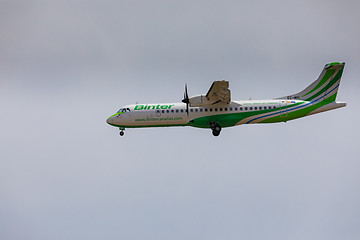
110, 120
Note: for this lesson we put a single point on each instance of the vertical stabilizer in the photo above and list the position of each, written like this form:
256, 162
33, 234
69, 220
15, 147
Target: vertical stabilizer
325, 88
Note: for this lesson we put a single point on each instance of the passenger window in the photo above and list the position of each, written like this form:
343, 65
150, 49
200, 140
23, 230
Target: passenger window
215, 109
163, 111
157, 111
225, 109
274, 107
235, 109
196, 110
206, 109
177, 110
201, 109
210, 109
260, 108
255, 108
172, 111
250, 108
246, 108
181, 110
231, 109
241, 109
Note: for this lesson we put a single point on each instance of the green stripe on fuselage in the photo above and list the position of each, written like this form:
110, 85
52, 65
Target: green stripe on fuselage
115, 114
149, 126
231, 119
301, 112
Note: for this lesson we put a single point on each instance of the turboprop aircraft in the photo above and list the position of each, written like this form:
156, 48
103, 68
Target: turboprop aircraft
216, 110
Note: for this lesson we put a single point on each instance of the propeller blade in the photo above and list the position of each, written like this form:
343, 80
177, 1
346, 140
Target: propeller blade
187, 108
186, 96
186, 99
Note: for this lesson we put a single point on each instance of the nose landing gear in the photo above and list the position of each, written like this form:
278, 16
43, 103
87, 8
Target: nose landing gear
216, 128
122, 131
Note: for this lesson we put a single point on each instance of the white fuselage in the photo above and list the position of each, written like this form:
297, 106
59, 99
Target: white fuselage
174, 114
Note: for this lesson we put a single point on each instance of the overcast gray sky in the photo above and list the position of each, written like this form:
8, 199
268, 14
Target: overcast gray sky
65, 66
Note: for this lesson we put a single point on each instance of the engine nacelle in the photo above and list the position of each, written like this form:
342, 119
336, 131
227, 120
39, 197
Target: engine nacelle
198, 101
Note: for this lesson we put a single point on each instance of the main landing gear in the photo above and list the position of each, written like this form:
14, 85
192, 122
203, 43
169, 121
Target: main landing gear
122, 131
216, 129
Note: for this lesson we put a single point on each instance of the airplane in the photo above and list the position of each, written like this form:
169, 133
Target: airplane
216, 110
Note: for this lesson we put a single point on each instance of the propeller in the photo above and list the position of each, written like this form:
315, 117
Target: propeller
186, 99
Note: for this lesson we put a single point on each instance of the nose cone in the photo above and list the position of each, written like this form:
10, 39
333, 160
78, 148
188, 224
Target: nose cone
111, 120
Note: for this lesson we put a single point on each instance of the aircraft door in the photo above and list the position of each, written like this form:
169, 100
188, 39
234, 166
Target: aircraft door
283, 109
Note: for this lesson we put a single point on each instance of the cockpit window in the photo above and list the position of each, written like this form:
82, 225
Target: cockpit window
123, 110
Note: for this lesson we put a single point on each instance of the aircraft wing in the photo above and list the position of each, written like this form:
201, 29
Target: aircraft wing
219, 92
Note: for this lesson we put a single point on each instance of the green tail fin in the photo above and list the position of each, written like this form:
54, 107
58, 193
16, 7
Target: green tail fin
325, 87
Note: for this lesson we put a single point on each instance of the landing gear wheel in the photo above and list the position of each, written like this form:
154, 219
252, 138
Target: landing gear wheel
215, 133
216, 129
122, 133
